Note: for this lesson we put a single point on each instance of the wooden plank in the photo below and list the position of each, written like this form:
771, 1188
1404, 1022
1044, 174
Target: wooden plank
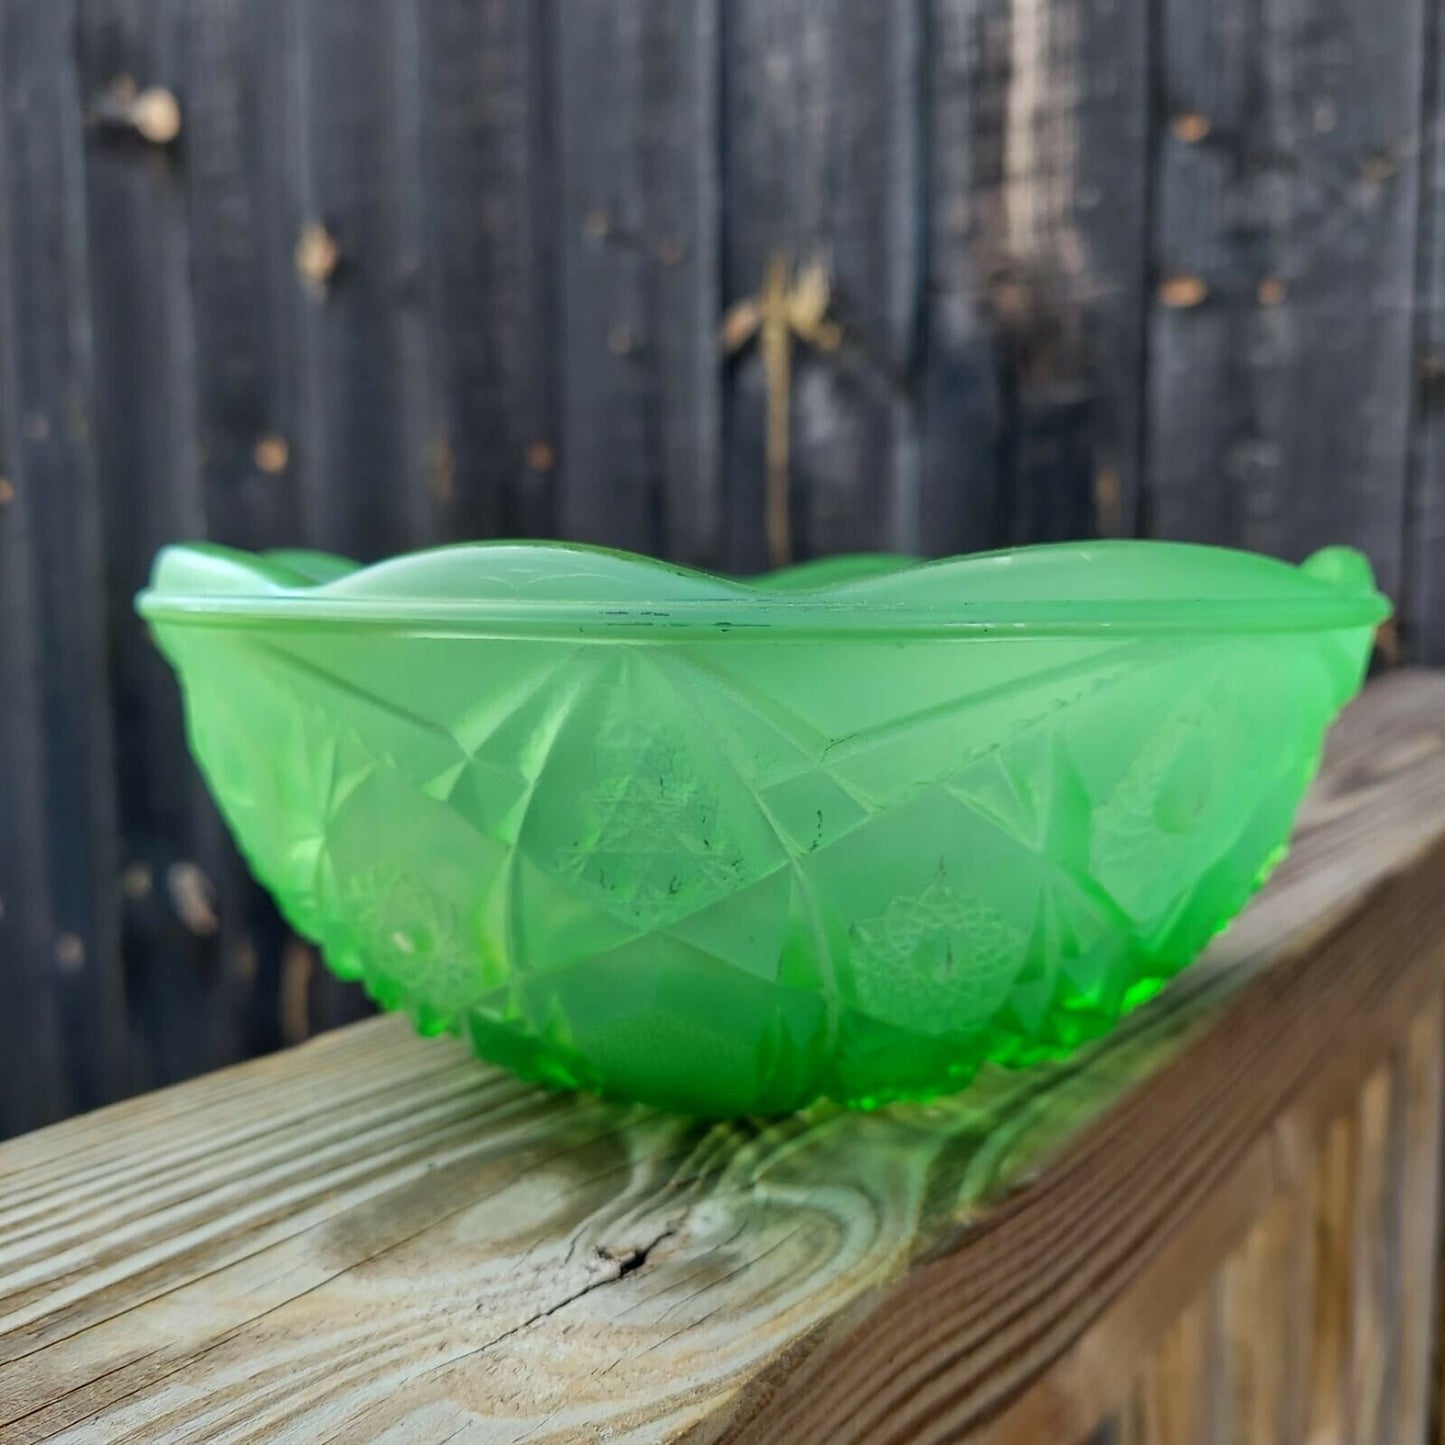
241, 222
641, 367
352, 79
1334, 1281
373, 1234
1300, 1311
351, 171
489, 166
62, 948
823, 166
1171, 1403
1423, 1084
33, 1088
1032, 379
153, 464
1259, 1296
1374, 1315
1425, 523
1280, 336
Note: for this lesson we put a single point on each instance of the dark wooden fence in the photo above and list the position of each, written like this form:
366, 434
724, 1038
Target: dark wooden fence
374, 274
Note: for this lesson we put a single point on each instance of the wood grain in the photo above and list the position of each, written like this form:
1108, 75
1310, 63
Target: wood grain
1280, 340
1333, 1229
1171, 1403
210, 980
638, 138
157, 464
64, 1042
1425, 520
1260, 1292
1423, 1083
1032, 380
376, 1237
1375, 1303
822, 165
353, 170
487, 154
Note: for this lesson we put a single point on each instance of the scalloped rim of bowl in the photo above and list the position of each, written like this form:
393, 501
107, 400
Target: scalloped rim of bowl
1336, 593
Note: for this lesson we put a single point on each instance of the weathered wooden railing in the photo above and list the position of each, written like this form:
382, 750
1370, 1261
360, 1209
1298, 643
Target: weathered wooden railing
1221, 1224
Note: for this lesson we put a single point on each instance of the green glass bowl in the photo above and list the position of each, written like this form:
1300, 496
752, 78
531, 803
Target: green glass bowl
726, 847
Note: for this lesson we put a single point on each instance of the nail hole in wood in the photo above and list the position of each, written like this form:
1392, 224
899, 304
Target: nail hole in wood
442, 471
272, 453
1191, 127
297, 967
317, 255
136, 881
1182, 292
1108, 501
244, 963
193, 896
69, 953
156, 115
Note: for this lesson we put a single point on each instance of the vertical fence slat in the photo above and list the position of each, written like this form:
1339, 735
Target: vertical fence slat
1170, 1404
1280, 334
243, 218
243, 225
638, 147
353, 166
823, 136
1423, 1087
149, 459
1258, 1305
66, 958
962, 398
1425, 519
1336, 1173
488, 166
1037, 228
33, 1088
1375, 1308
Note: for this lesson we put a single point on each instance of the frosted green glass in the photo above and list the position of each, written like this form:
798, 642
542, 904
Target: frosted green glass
726, 847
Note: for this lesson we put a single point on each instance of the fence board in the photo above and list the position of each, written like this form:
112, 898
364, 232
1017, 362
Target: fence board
1425, 520
244, 295
244, 302
1037, 224
353, 173
638, 153
1281, 331
353, 169
33, 1087
488, 160
821, 109
62, 951
148, 459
